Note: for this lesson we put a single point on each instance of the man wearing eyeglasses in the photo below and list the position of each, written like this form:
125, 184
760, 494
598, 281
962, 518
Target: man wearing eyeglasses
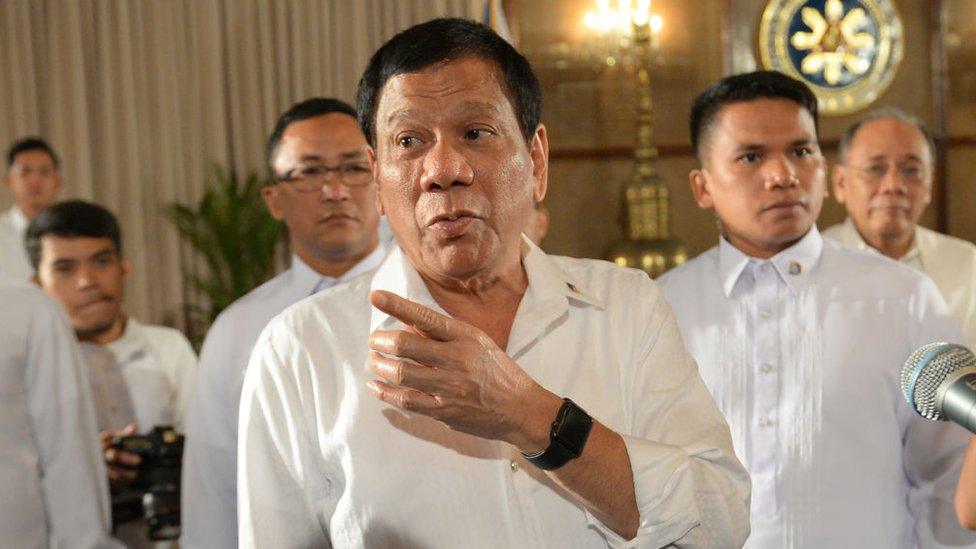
884, 179
324, 193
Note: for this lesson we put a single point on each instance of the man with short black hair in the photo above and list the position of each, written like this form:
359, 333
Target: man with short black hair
34, 180
324, 193
492, 395
801, 340
141, 375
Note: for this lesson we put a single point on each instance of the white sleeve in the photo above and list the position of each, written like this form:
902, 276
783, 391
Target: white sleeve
209, 484
280, 481
933, 451
691, 489
185, 366
73, 477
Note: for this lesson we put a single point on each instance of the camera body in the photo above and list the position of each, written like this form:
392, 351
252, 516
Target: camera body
155, 494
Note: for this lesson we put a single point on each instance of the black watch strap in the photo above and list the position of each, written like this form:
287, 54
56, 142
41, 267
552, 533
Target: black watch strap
567, 437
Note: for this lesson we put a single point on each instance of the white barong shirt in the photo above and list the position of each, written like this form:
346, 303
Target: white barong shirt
323, 462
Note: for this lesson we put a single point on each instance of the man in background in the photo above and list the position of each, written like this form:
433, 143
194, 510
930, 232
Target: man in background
53, 481
884, 179
33, 179
801, 340
324, 193
141, 375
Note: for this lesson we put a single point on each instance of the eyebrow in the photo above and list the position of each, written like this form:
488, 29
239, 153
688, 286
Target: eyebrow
345, 155
470, 106
883, 156
761, 146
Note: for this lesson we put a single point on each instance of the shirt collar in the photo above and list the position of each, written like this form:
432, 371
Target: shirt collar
18, 218
913, 254
547, 283
793, 264
309, 281
131, 343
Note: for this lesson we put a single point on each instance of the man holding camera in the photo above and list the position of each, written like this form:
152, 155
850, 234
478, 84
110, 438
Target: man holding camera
141, 375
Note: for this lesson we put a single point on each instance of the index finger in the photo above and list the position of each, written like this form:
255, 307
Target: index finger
428, 322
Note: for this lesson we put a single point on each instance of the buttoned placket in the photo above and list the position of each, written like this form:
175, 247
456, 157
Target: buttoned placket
766, 356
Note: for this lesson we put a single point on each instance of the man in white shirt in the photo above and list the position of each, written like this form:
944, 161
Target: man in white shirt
884, 179
33, 179
141, 375
325, 195
801, 340
468, 438
54, 492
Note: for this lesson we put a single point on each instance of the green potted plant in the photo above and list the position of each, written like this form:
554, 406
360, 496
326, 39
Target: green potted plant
233, 232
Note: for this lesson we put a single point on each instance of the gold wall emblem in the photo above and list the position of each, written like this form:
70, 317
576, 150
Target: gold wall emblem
847, 51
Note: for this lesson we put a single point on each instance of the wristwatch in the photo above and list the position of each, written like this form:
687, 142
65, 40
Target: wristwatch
566, 437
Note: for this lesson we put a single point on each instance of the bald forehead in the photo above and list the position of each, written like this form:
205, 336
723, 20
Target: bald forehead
890, 137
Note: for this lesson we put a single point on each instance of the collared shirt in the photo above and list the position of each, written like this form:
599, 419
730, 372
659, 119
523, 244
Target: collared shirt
803, 353
950, 261
53, 491
210, 453
146, 377
13, 255
324, 462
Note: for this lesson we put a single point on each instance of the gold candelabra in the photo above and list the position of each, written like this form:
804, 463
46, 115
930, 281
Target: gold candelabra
647, 243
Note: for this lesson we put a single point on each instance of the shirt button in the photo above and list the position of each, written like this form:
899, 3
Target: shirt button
765, 313
765, 422
513, 465
766, 368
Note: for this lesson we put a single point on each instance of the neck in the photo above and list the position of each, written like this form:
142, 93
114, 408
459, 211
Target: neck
487, 301
29, 212
336, 265
106, 335
893, 246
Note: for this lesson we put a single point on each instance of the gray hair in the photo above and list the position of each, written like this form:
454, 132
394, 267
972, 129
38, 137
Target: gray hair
885, 112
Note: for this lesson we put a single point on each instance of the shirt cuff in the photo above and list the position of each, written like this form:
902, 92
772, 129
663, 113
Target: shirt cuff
665, 490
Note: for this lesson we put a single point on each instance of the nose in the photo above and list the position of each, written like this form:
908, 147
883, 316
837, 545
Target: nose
444, 167
333, 190
85, 278
780, 173
892, 182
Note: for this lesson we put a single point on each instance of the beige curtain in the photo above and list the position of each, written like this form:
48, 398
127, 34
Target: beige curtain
141, 96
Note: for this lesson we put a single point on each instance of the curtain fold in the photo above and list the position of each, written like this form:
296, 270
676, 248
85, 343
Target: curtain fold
141, 97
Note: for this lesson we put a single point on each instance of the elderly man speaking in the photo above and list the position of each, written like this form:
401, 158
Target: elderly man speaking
492, 396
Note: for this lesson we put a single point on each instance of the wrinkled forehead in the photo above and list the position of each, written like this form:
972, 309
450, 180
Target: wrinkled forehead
466, 87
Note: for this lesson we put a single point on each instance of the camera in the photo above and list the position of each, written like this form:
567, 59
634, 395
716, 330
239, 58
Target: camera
155, 494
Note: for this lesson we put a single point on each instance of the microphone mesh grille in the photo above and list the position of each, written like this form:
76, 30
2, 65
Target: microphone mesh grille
932, 374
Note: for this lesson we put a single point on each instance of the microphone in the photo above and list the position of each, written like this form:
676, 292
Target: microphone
939, 382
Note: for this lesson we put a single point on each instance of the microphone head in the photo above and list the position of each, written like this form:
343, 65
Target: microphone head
926, 369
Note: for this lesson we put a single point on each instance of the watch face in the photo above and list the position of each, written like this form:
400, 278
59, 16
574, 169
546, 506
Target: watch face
573, 429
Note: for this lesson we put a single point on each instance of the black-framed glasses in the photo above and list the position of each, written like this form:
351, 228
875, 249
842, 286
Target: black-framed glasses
308, 179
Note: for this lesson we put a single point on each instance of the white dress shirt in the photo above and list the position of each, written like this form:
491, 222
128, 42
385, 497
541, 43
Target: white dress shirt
803, 354
949, 261
210, 453
13, 255
53, 491
146, 377
323, 462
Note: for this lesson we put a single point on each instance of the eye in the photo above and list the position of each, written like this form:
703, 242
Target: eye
476, 133
407, 141
911, 172
749, 158
877, 170
358, 167
802, 152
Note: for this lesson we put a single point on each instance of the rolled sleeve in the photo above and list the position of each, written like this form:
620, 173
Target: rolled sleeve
691, 490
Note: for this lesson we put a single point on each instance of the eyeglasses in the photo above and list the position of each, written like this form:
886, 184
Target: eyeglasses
308, 179
909, 173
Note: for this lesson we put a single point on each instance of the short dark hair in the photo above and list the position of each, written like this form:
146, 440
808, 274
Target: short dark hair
71, 218
309, 108
746, 87
885, 112
30, 144
442, 41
